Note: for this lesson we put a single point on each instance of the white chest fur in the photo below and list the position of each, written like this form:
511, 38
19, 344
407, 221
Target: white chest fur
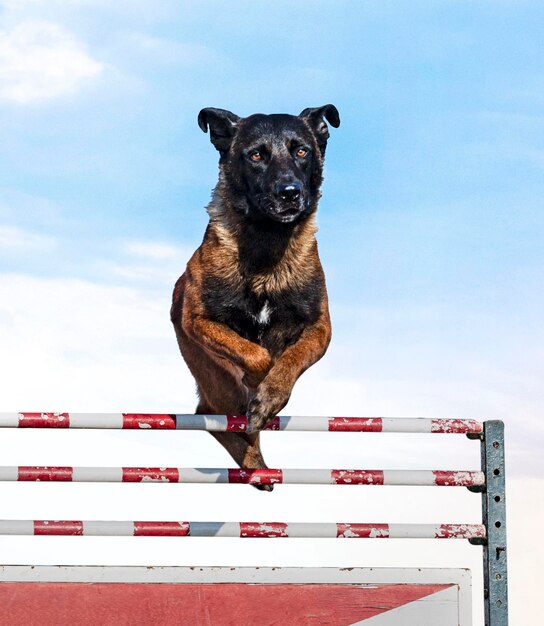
263, 317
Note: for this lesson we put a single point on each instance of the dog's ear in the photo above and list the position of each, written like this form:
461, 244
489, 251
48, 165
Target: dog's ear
316, 119
222, 124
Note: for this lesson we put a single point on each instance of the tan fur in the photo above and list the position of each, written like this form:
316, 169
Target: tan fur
295, 267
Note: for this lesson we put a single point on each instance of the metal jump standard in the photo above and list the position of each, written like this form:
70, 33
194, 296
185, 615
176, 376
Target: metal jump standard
405, 597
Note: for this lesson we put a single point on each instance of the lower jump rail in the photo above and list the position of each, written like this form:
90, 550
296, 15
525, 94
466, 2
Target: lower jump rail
263, 530
430, 478
239, 423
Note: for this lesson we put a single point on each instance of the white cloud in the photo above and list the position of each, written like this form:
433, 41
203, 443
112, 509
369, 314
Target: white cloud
76, 343
154, 250
13, 239
166, 51
149, 264
20, 5
39, 61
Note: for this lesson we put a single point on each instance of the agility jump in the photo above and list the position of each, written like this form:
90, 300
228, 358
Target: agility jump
489, 481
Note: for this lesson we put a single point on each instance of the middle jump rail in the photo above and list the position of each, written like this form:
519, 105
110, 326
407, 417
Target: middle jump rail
268, 476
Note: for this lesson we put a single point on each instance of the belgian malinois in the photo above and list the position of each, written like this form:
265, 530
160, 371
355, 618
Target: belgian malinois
250, 311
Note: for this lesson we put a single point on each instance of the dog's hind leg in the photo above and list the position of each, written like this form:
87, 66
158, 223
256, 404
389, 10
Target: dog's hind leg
244, 449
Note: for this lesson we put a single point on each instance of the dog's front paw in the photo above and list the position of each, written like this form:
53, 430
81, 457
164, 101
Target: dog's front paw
265, 403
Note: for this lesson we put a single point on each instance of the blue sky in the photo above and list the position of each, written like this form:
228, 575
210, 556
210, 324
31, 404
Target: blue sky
433, 179
431, 222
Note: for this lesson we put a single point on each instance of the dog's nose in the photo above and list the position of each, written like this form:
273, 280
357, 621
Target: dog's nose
289, 191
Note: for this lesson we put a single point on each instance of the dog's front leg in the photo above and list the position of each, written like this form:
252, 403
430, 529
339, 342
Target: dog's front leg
274, 391
254, 360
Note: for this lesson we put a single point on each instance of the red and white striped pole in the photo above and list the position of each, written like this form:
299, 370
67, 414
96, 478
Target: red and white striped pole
238, 423
264, 530
431, 478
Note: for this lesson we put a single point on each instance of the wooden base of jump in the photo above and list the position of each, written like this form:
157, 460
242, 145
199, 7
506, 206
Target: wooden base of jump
172, 596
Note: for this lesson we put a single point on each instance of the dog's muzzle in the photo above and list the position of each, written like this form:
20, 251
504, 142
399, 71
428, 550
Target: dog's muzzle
288, 202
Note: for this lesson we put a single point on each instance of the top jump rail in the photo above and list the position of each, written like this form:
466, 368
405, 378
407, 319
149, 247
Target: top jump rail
239, 423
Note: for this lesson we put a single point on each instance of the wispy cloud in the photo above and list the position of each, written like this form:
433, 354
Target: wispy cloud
155, 250
39, 61
13, 239
147, 264
69, 337
169, 51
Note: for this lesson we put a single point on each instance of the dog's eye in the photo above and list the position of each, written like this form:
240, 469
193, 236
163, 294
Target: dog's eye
256, 156
301, 152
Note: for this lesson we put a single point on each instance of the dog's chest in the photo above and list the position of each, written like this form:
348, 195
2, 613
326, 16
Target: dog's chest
274, 320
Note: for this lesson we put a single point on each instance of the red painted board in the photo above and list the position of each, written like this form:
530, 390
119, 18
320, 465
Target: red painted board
220, 604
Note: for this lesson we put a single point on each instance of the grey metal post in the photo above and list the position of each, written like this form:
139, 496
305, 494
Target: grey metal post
494, 518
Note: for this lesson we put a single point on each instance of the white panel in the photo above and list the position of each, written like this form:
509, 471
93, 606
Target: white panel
438, 609
272, 575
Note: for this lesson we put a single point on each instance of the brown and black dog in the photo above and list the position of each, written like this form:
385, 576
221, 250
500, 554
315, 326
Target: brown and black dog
250, 311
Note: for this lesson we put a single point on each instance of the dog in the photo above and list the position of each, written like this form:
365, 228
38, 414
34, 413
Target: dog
250, 311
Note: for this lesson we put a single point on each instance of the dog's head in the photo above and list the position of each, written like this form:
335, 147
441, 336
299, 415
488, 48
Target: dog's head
272, 165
